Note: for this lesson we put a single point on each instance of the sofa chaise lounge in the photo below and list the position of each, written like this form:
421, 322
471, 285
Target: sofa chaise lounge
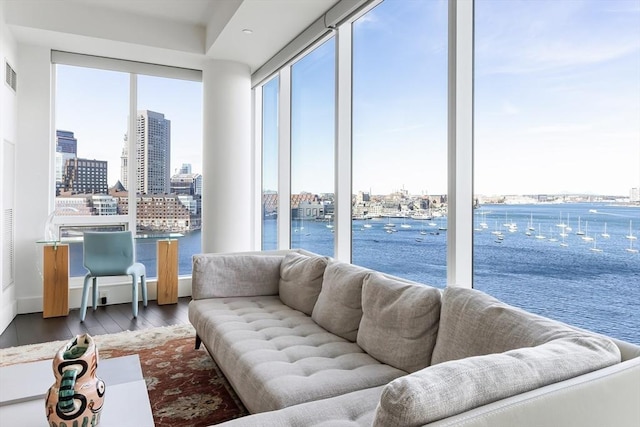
306, 340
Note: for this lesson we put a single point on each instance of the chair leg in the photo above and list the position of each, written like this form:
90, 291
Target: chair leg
85, 297
95, 293
134, 296
143, 282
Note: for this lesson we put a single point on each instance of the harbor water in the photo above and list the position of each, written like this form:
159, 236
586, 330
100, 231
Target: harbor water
586, 280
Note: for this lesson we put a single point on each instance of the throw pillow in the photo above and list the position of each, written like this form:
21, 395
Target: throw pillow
339, 305
399, 321
301, 280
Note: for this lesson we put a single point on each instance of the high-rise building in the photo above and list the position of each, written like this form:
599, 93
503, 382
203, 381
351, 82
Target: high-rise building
84, 176
185, 168
153, 151
66, 149
187, 183
66, 142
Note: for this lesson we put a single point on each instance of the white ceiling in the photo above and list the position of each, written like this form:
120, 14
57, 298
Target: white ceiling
172, 32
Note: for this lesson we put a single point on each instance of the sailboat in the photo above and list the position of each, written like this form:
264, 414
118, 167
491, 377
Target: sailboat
586, 236
579, 232
605, 234
483, 224
568, 228
496, 231
595, 248
551, 237
404, 224
540, 235
563, 243
389, 224
631, 236
530, 226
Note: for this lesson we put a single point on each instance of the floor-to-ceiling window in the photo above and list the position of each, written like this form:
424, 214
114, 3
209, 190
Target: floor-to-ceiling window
312, 147
269, 200
400, 140
557, 159
95, 184
556, 153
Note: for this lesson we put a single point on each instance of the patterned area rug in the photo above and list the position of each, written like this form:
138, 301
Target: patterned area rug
186, 387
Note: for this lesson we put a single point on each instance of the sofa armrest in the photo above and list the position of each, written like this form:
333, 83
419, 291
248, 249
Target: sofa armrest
456, 386
236, 274
605, 397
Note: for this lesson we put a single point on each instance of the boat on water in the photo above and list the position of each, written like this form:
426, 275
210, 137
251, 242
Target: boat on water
422, 216
594, 248
579, 232
586, 236
568, 228
631, 236
530, 226
605, 234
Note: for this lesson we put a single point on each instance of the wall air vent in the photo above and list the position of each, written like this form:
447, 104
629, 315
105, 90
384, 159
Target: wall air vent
10, 76
7, 249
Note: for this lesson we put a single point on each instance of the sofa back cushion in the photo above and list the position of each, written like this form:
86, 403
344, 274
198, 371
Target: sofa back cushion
399, 321
453, 387
235, 275
301, 280
339, 305
473, 323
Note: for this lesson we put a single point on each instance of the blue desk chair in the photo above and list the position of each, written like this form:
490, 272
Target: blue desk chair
111, 254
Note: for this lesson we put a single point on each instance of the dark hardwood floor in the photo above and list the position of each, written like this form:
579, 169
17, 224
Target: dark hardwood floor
32, 328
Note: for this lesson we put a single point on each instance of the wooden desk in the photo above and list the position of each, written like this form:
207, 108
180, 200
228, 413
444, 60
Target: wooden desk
167, 271
55, 283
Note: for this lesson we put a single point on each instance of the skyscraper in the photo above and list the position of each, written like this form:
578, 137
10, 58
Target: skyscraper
85, 176
66, 142
153, 150
66, 149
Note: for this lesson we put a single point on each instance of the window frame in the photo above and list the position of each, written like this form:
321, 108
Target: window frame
133, 69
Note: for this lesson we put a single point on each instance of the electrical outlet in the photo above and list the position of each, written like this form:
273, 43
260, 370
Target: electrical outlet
103, 297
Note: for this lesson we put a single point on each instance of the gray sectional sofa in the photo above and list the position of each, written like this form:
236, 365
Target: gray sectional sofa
307, 340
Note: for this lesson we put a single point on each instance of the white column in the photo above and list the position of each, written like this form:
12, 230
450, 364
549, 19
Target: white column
460, 144
343, 162
227, 172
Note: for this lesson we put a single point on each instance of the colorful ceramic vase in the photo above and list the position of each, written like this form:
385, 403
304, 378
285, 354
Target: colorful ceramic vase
77, 396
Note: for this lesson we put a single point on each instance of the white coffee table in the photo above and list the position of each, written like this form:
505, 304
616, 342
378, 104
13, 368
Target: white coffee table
23, 388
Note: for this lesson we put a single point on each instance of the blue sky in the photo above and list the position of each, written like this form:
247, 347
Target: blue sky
557, 101
557, 96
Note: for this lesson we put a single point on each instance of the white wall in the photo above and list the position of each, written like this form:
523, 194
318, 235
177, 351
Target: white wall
33, 166
8, 139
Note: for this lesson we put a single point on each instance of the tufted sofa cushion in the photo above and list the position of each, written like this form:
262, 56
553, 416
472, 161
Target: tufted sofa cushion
339, 305
275, 356
355, 409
